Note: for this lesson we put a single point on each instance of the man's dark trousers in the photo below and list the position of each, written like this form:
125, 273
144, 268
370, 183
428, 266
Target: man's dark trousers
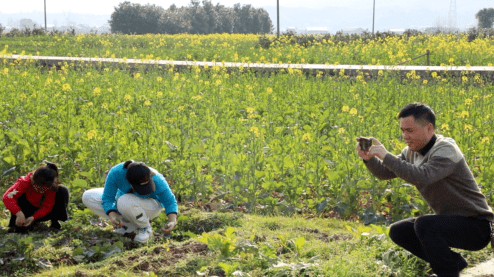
430, 237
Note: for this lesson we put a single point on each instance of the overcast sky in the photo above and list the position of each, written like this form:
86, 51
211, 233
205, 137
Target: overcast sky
415, 12
107, 6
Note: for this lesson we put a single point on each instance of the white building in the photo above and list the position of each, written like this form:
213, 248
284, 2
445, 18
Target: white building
315, 31
350, 31
397, 31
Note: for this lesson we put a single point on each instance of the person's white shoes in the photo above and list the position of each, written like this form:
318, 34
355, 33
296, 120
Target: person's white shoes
128, 227
143, 234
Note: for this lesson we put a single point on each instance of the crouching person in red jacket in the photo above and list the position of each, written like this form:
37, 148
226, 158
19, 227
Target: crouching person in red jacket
37, 197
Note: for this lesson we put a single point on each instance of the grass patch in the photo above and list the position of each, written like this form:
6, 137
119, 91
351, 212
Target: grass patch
214, 243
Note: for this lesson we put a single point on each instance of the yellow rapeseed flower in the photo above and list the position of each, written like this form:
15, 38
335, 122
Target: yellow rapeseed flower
445, 127
97, 91
468, 101
353, 111
255, 130
345, 108
91, 134
66, 87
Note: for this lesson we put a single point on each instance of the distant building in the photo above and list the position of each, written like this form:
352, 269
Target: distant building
350, 31
292, 30
315, 31
433, 30
397, 31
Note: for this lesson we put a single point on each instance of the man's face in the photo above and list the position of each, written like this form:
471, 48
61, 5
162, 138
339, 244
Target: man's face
415, 134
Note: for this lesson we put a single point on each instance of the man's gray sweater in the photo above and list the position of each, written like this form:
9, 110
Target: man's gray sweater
440, 174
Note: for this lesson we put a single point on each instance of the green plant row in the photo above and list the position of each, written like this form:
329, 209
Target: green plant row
474, 48
270, 144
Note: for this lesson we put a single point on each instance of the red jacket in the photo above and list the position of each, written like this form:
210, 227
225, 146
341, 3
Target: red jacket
23, 186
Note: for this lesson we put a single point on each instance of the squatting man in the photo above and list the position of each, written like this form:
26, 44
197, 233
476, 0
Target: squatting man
435, 165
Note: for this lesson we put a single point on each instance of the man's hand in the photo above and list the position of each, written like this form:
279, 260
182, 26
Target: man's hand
20, 219
114, 219
376, 150
365, 155
29, 220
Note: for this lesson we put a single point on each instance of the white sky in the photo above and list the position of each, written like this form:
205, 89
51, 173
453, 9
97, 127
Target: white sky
107, 6
349, 13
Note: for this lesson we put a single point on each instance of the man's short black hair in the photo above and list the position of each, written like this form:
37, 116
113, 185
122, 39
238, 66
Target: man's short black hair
421, 113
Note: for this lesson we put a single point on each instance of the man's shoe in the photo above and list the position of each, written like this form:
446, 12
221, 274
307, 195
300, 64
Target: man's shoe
128, 227
143, 234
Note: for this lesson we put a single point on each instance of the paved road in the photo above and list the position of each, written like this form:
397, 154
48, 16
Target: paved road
485, 269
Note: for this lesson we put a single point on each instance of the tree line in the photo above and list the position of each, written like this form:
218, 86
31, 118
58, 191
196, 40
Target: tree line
485, 17
131, 18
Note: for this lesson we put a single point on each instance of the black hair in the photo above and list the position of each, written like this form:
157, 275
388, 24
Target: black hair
136, 172
421, 113
45, 175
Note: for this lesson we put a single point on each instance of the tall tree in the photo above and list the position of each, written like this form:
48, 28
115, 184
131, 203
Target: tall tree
131, 18
174, 21
485, 17
225, 19
211, 16
198, 18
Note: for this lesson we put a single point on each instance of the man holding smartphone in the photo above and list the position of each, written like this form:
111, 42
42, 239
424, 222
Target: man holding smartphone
435, 165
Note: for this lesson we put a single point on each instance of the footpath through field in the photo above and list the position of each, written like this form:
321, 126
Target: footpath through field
309, 69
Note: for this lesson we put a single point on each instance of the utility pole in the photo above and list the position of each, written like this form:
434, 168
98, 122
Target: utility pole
373, 16
45, 16
278, 14
452, 17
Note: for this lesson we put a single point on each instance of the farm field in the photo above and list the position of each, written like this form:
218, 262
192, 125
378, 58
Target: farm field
269, 145
456, 50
